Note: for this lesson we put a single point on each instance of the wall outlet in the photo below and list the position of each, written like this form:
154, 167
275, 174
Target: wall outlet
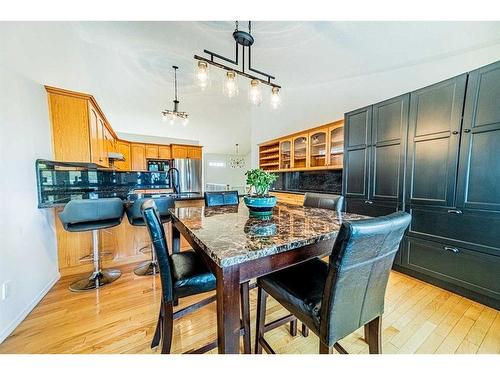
5, 290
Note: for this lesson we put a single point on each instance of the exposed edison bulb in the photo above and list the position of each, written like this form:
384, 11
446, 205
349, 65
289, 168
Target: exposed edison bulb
275, 97
172, 117
230, 87
255, 92
202, 74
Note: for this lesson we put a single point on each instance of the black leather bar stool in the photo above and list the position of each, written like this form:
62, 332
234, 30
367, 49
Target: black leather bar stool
335, 299
135, 218
221, 198
81, 215
328, 201
182, 274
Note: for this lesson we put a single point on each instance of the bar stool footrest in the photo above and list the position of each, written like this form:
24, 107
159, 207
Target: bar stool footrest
95, 280
147, 268
90, 257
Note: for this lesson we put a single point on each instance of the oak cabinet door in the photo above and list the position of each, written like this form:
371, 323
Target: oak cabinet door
151, 152
124, 149
164, 152
138, 157
194, 152
335, 149
317, 148
300, 152
102, 143
94, 132
179, 152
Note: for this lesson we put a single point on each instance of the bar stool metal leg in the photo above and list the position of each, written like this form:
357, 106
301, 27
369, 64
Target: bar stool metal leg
149, 267
99, 277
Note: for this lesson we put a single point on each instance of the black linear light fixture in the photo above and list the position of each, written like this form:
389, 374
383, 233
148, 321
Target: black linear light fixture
173, 115
230, 87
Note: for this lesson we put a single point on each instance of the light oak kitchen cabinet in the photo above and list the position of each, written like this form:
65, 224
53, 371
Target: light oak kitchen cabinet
123, 148
138, 157
186, 152
164, 152
321, 147
79, 128
151, 151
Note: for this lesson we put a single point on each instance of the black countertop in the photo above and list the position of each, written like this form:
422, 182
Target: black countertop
60, 182
61, 198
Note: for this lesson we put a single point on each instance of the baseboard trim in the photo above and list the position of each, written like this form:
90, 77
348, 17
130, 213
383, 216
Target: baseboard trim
24, 313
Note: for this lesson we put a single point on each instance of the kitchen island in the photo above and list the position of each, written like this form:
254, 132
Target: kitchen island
60, 182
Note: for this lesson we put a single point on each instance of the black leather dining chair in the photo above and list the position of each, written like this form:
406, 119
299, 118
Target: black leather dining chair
221, 198
231, 198
318, 200
134, 215
182, 274
328, 201
336, 298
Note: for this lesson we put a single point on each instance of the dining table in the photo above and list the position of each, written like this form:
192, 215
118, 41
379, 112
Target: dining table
238, 247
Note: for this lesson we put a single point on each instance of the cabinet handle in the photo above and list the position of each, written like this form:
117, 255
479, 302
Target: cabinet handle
454, 132
454, 250
368, 202
458, 212
466, 130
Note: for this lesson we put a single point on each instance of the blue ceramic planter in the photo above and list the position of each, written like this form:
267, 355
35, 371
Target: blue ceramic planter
260, 206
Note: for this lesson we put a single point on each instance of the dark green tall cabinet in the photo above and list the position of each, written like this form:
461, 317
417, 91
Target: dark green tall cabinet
375, 144
444, 169
374, 158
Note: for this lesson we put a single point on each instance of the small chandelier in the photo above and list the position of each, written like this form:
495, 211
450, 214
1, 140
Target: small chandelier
230, 86
172, 115
236, 161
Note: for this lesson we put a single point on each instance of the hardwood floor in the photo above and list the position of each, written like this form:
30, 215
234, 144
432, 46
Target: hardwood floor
121, 318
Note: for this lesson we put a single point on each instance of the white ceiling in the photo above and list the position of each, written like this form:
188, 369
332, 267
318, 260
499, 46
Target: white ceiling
127, 67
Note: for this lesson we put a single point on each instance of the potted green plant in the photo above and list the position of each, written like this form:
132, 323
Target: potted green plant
258, 201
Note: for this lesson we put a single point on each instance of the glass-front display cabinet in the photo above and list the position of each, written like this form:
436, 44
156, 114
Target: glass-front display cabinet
285, 154
299, 152
336, 147
317, 149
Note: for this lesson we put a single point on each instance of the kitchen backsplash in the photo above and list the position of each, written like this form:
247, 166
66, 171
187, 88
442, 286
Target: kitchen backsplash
56, 179
324, 181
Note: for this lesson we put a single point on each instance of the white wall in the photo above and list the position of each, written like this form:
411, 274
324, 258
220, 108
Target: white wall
235, 178
28, 253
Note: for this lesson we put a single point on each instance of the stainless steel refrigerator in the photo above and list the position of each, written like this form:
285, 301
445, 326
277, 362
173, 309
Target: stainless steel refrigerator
190, 172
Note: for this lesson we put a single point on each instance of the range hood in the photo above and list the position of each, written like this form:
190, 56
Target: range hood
115, 156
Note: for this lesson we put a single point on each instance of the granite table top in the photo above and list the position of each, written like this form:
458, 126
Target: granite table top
230, 236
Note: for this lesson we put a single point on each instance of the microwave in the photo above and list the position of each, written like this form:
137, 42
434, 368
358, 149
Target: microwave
159, 165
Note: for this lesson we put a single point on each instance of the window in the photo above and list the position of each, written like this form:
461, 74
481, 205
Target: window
217, 164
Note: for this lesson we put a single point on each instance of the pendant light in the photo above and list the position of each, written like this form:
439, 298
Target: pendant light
275, 98
173, 115
243, 46
230, 87
255, 92
236, 161
201, 74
